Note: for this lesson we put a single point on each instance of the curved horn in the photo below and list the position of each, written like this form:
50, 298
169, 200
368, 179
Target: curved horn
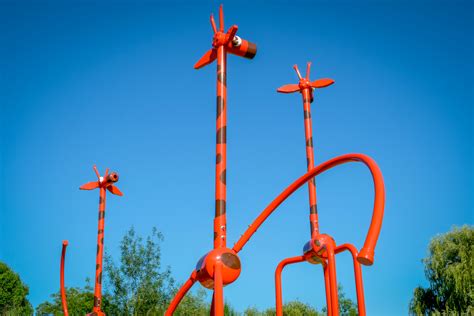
61, 281
366, 255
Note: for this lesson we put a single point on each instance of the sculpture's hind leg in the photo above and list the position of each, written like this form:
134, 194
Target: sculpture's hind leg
357, 276
278, 271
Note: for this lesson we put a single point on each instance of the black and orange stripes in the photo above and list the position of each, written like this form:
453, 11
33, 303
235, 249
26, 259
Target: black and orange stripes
100, 252
103, 183
221, 146
223, 270
313, 208
306, 88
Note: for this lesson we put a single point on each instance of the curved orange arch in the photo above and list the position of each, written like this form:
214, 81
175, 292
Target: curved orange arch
366, 255
61, 281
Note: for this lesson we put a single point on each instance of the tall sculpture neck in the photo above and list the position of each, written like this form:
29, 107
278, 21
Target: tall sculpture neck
220, 234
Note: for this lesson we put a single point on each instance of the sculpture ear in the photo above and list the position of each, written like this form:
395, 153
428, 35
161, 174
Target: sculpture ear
206, 59
322, 83
289, 88
90, 186
114, 190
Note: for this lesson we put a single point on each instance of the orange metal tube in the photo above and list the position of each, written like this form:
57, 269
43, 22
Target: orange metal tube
357, 275
212, 303
278, 271
366, 255
218, 290
61, 279
313, 207
100, 253
220, 234
327, 287
332, 280
181, 293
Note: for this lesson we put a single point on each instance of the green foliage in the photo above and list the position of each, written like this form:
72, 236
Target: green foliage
139, 285
346, 306
293, 308
193, 304
80, 301
449, 270
296, 308
13, 293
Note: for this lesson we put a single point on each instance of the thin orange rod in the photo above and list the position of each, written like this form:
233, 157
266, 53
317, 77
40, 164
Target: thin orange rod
357, 276
327, 287
100, 251
61, 279
366, 255
295, 67
181, 293
278, 271
213, 24
332, 280
308, 129
220, 233
218, 290
212, 303
221, 18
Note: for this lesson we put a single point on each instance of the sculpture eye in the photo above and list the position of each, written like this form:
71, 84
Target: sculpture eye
236, 41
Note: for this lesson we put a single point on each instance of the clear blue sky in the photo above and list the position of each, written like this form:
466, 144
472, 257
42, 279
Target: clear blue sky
113, 84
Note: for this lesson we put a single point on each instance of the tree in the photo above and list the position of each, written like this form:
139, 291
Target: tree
139, 285
80, 301
296, 308
346, 306
449, 270
13, 293
293, 308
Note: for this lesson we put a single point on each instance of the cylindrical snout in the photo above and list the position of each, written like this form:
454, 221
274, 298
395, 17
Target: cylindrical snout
366, 256
112, 177
243, 48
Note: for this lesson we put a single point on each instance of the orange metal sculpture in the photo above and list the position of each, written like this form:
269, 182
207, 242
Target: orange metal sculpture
107, 182
322, 248
221, 266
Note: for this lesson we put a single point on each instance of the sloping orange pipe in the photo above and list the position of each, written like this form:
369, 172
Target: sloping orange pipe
279, 269
61, 279
366, 255
357, 276
181, 293
327, 286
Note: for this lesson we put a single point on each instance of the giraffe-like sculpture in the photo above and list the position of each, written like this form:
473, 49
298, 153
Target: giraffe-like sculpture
321, 248
220, 266
107, 182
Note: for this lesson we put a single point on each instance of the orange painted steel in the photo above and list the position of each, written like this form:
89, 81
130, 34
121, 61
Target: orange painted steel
377, 215
332, 278
61, 279
357, 276
366, 256
221, 266
181, 293
279, 269
322, 247
104, 184
218, 305
327, 287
